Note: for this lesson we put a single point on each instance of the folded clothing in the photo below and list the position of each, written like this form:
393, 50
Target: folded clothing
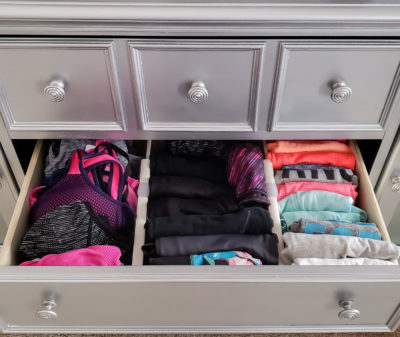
187, 187
199, 148
249, 220
228, 258
84, 182
360, 229
246, 174
169, 260
344, 159
60, 152
342, 262
298, 245
323, 175
73, 226
263, 247
304, 166
287, 146
166, 164
170, 206
91, 256
287, 189
287, 218
318, 201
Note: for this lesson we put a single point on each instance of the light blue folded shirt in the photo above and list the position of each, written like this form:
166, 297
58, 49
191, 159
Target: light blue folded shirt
318, 201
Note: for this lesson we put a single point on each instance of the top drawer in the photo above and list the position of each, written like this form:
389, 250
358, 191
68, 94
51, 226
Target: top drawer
197, 85
60, 85
335, 85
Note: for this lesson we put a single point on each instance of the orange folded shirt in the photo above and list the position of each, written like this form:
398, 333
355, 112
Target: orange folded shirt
286, 146
286, 189
343, 159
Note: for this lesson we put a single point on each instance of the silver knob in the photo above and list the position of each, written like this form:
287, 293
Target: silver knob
348, 312
47, 312
55, 90
198, 92
340, 92
396, 184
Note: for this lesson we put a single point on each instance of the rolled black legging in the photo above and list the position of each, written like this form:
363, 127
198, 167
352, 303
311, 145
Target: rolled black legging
187, 187
177, 206
170, 260
251, 220
263, 247
211, 169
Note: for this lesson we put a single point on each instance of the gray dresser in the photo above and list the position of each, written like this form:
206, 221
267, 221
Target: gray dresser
258, 70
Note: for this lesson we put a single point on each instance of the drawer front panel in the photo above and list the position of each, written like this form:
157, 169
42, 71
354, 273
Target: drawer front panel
195, 305
335, 86
197, 86
60, 85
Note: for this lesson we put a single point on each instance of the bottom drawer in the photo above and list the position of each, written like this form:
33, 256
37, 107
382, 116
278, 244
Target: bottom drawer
193, 299
212, 301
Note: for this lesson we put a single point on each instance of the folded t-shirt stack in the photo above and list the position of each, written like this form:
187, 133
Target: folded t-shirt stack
317, 190
84, 214
208, 205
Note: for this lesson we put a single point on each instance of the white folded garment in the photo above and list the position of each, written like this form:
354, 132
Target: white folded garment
299, 245
360, 261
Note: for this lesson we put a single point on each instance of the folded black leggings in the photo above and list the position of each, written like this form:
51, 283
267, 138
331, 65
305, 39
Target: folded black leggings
177, 206
263, 247
211, 169
250, 220
187, 187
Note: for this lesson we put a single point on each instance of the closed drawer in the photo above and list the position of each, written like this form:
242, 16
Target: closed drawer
193, 299
60, 85
197, 85
335, 85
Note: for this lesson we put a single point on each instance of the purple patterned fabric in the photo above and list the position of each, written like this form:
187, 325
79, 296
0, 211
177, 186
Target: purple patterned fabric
75, 187
246, 174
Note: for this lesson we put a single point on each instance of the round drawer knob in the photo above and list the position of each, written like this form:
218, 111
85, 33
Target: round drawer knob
55, 91
348, 312
47, 312
198, 92
340, 92
396, 184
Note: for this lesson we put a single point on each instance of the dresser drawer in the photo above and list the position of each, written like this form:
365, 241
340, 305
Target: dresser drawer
335, 85
60, 85
218, 299
190, 85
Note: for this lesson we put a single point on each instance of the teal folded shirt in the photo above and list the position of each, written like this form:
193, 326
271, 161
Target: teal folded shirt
287, 218
317, 201
318, 205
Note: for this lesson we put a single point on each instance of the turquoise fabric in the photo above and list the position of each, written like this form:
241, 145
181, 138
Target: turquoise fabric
318, 201
287, 218
360, 229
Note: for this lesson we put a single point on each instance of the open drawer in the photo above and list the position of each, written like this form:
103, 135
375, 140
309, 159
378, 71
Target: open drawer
151, 299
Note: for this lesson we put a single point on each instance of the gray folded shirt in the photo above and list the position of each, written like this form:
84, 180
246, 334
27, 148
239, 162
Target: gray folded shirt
325, 175
298, 245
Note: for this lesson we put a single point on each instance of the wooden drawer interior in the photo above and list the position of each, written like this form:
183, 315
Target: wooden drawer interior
366, 200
